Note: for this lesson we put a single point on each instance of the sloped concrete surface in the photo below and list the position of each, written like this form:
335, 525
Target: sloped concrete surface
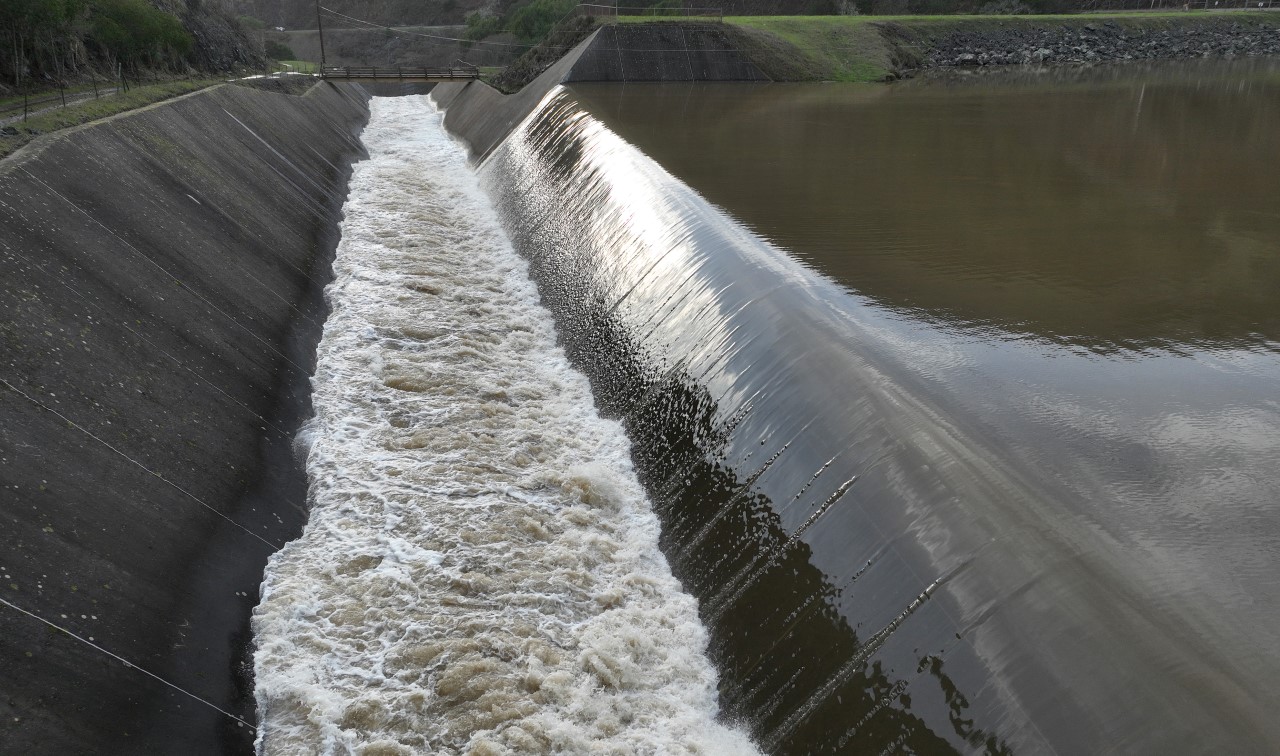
482, 116
663, 52
161, 278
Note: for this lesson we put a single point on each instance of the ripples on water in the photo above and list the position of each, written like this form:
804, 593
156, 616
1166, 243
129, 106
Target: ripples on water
480, 571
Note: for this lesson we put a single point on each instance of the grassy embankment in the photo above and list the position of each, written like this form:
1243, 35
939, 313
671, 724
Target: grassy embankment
91, 110
878, 48
295, 66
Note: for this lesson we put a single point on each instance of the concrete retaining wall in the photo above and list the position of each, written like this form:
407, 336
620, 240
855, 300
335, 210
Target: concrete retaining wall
482, 116
162, 276
662, 52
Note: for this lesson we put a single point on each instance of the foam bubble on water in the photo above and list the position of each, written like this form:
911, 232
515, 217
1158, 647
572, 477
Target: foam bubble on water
480, 572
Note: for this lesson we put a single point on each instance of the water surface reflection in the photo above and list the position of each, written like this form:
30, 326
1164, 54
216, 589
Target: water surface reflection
1108, 209
1081, 269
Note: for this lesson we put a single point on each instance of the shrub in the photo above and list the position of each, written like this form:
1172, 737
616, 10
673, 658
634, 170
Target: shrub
47, 37
133, 32
1004, 8
278, 50
480, 26
531, 22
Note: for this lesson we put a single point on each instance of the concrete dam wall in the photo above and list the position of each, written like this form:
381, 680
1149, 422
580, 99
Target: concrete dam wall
859, 556
482, 116
162, 294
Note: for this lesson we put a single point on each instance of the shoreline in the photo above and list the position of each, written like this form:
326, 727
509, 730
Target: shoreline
870, 49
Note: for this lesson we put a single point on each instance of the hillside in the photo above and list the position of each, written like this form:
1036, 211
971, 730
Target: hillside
220, 41
301, 14
51, 44
879, 48
871, 49
358, 47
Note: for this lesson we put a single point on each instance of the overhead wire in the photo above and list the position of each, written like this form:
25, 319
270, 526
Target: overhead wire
152, 344
126, 662
166, 272
148, 470
404, 31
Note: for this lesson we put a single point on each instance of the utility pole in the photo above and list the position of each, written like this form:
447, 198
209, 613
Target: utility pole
320, 26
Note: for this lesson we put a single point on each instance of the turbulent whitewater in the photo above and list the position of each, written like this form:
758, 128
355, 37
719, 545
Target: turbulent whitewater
480, 572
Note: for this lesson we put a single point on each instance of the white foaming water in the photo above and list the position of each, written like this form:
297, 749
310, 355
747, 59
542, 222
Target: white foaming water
480, 572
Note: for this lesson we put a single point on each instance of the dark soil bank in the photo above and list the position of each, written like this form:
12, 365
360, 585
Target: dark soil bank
161, 279
1098, 41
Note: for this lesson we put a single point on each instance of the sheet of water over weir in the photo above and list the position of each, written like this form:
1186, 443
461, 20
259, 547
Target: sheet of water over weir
480, 571
988, 466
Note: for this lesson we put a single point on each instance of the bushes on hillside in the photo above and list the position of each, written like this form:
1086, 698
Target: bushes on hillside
532, 22
480, 25
49, 38
278, 50
132, 32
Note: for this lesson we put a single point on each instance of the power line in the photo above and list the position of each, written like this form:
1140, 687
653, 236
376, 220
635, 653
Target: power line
126, 662
148, 470
166, 272
402, 30
370, 26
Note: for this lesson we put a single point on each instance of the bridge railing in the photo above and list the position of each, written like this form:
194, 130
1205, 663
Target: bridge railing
456, 71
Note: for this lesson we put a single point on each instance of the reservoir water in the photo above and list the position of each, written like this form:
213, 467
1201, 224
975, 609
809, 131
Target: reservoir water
957, 399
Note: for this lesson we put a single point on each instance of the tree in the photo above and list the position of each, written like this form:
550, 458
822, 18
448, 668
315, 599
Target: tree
48, 37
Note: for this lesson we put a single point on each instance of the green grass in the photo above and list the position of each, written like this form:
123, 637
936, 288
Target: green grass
841, 48
46, 93
858, 20
874, 48
828, 48
297, 66
490, 74
92, 110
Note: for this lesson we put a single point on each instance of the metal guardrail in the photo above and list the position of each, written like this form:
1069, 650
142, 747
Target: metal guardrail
399, 72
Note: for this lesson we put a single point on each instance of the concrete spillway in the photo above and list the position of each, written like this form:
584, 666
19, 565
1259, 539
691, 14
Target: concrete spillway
162, 296
871, 574
161, 277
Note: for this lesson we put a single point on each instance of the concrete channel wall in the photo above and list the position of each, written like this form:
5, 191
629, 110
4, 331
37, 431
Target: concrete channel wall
670, 51
161, 294
666, 51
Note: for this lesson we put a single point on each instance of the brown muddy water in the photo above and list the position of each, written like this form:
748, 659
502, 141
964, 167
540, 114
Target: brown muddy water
1076, 274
